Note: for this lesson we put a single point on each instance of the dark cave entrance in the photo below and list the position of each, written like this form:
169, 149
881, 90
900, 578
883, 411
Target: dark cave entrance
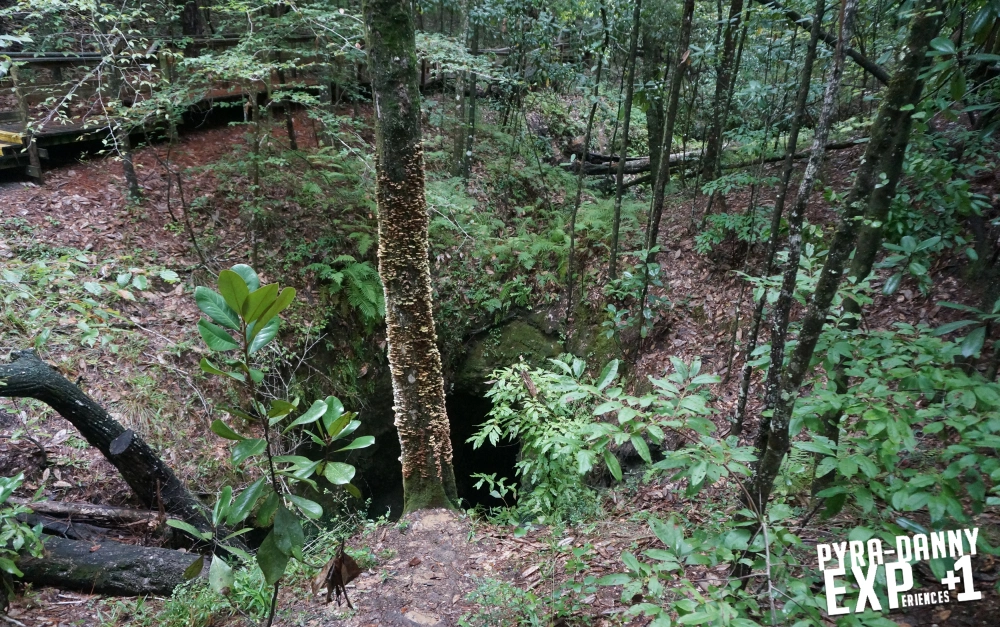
383, 482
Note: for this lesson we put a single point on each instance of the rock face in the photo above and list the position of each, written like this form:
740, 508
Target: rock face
530, 339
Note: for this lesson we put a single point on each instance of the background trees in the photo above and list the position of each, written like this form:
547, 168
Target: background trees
672, 192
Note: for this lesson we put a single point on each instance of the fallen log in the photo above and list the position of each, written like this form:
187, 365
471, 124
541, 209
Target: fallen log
107, 567
89, 512
151, 480
633, 165
804, 154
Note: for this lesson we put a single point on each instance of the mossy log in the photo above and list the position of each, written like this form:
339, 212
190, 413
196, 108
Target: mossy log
151, 480
107, 567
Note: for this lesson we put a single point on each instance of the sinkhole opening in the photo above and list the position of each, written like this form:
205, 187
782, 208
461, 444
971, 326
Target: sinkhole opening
383, 482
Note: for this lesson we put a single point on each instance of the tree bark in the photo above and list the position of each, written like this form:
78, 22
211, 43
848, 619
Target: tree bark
783, 307
107, 567
797, 19
924, 26
652, 72
725, 74
89, 512
801, 99
666, 141
620, 177
868, 244
414, 359
150, 479
571, 262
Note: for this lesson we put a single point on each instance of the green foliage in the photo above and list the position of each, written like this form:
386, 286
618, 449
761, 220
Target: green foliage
251, 310
909, 392
749, 227
15, 536
912, 257
627, 290
358, 281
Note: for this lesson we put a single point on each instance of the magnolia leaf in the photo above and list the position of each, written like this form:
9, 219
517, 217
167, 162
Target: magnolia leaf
188, 528
248, 448
338, 473
215, 307
216, 337
259, 301
283, 300
221, 576
233, 289
363, 442
311, 415
260, 340
288, 534
245, 502
271, 559
221, 429
311, 509
248, 274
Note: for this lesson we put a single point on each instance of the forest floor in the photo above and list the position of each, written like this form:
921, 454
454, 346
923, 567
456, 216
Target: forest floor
424, 569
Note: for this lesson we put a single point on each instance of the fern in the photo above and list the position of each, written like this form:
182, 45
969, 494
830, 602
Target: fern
358, 280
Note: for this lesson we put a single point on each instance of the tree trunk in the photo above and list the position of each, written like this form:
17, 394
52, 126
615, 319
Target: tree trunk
652, 73
150, 479
868, 244
620, 189
724, 76
783, 306
571, 263
461, 104
414, 359
924, 26
107, 567
89, 512
470, 140
802, 98
666, 141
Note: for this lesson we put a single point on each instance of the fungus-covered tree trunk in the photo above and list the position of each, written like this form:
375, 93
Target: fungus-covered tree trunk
923, 28
414, 359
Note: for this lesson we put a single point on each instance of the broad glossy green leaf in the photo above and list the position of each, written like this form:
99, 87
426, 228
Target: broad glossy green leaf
334, 410
353, 490
311, 415
221, 429
288, 534
216, 337
363, 442
311, 509
220, 576
607, 375
233, 289
641, 448
280, 408
283, 300
248, 274
194, 569
211, 368
214, 306
259, 301
221, 509
338, 473
188, 528
973, 342
248, 448
245, 502
266, 513
271, 559
260, 340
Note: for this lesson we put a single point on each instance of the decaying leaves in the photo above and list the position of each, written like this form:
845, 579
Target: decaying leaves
338, 572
